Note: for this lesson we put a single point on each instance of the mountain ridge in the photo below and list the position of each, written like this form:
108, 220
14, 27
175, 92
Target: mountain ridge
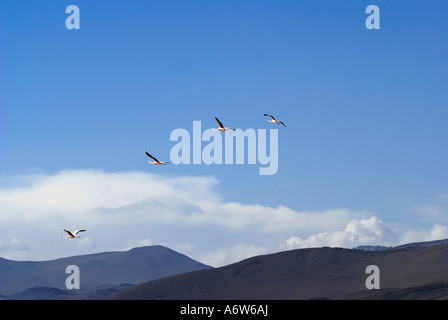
134, 266
312, 273
410, 271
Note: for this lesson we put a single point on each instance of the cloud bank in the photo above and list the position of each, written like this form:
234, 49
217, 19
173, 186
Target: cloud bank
121, 210
356, 233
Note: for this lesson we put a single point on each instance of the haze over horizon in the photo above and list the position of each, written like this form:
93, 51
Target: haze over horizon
362, 160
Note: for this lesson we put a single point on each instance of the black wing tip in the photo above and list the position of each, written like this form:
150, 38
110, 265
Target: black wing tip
219, 122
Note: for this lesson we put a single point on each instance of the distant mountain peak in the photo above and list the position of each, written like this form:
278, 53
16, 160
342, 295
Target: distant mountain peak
135, 266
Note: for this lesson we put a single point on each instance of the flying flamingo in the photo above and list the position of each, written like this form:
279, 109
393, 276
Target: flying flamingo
273, 120
72, 235
221, 127
156, 162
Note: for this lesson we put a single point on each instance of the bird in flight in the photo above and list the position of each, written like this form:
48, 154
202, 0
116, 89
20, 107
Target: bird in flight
73, 234
156, 162
221, 127
273, 120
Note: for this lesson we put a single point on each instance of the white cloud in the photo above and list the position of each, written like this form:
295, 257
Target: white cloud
81, 192
14, 244
121, 210
118, 210
97, 197
371, 231
437, 232
236, 253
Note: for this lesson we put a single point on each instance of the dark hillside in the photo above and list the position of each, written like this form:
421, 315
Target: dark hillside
331, 273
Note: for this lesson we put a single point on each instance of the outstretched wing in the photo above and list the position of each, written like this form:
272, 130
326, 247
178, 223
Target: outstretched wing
269, 116
282, 124
219, 123
78, 231
151, 157
69, 233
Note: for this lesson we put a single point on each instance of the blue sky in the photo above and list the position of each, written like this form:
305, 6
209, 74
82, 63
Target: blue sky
365, 112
